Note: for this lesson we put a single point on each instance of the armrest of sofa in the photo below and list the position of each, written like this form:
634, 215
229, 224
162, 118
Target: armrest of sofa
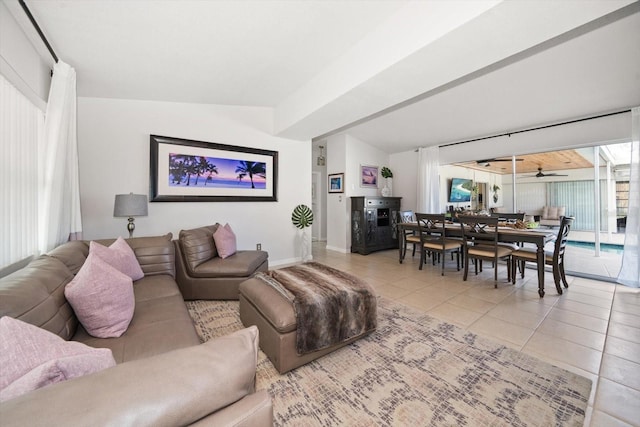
180, 387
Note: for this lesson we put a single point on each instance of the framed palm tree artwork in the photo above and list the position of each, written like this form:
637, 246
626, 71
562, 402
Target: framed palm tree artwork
184, 170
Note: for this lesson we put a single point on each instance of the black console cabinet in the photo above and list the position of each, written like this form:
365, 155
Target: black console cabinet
373, 223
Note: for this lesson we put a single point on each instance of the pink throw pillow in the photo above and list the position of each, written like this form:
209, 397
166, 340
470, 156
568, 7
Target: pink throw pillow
119, 255
32, 357
102, 298
225, 240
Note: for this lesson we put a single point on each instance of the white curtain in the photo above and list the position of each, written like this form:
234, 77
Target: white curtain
60, 218
630, 272
21, 125
428, 180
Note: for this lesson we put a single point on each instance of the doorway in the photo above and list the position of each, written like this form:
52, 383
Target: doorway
316, 206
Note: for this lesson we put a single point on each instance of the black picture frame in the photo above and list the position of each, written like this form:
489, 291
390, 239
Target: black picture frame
335, 183
184, 170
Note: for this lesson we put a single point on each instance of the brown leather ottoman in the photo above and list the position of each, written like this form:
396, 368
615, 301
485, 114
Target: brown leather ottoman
273, 314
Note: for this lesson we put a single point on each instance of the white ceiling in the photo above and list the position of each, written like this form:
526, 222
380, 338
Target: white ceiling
594, 73
277, 54
217, 52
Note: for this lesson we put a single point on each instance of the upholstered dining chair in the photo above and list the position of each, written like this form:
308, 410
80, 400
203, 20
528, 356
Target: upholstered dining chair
433, 239
553, 258
407, 236
480, 243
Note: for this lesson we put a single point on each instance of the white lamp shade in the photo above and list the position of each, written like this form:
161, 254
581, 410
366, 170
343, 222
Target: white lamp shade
130, 205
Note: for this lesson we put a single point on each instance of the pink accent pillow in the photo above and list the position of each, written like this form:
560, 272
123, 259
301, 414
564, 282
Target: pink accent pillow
32, 357
225, 240
119, 255
102, 298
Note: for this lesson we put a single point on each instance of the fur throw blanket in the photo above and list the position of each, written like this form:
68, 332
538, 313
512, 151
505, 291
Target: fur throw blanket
331, 306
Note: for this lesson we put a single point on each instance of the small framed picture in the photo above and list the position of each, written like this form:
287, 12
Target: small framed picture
369, 176
336, 183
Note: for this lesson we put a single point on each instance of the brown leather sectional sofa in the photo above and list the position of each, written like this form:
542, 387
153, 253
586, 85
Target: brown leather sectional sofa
164, 376
202, 274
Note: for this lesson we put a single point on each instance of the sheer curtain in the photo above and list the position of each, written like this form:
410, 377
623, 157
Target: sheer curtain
21, 125
428, 180
60, 218
630, 272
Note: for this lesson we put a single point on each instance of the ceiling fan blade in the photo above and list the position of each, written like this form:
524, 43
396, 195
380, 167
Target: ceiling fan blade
496, 160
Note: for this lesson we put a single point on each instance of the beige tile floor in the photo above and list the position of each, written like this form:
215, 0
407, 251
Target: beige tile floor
593, 329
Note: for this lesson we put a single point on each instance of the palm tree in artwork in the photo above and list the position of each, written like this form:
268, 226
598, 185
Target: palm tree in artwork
251, 169
176, 169
240, 176
202, 166
190, 167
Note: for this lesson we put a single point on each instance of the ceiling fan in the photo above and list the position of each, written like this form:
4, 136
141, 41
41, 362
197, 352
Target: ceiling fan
540, 174
487, 162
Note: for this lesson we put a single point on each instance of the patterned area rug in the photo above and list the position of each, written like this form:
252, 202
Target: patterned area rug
414, 370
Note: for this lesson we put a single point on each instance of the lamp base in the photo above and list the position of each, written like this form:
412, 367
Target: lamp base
131, 226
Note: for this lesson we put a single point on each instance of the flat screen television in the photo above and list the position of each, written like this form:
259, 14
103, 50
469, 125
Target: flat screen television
460, 190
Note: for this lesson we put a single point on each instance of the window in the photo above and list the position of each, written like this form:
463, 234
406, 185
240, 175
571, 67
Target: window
21, 127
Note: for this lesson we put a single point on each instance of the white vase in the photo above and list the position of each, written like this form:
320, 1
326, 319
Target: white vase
387, 189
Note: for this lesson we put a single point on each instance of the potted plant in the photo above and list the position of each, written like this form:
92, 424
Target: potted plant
387, 175
495, 189
302, 217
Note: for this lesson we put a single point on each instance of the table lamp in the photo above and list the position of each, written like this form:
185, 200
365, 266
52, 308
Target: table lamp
130, 205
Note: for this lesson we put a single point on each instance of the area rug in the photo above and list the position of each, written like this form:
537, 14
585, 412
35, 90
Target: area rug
414, 370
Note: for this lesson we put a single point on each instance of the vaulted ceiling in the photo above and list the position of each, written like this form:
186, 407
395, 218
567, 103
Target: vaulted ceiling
396, 74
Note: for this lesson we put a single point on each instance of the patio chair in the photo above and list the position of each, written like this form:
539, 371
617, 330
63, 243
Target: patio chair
434, 241
553, 258
480, 243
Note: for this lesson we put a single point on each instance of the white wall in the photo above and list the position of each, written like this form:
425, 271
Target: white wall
337, 205
345, 154
405, 172
320, 217
20, 62
113, 144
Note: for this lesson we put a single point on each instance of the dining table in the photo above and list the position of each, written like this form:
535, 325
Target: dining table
506, 233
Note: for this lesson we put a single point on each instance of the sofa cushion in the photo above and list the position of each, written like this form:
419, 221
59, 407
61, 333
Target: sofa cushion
120, 256
198, 245
225, 240
240, 264
176, 388
32, 358
35, 294
102, 298
160, 323
553, 212
72, 254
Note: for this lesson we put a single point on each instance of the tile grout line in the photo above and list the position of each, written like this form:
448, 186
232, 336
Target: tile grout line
606, 338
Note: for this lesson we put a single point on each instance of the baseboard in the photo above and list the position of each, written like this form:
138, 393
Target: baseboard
336, 249
285, 262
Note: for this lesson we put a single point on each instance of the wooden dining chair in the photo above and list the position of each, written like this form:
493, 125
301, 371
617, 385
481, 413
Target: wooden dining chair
480, 243
505, 217
553, 258
433, 239
407, 236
